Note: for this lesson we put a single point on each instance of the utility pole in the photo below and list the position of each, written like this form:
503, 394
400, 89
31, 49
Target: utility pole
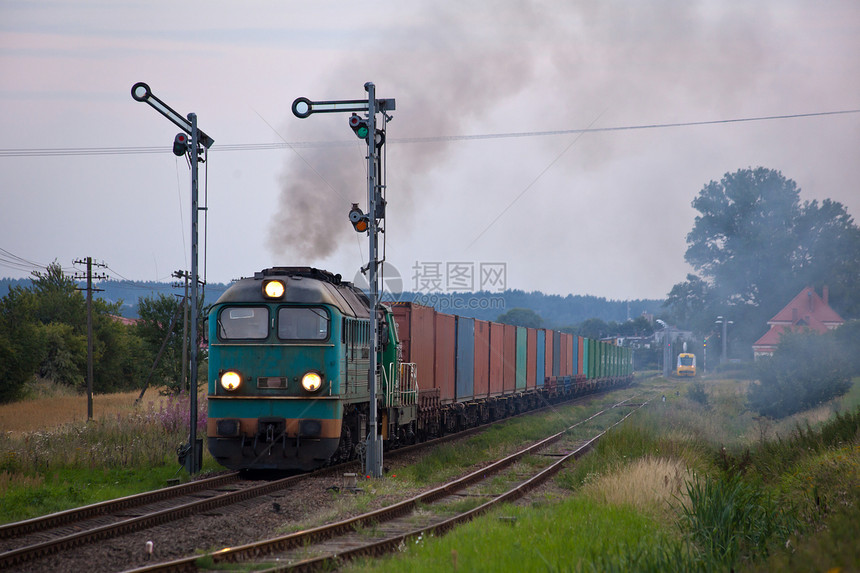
721, 320
667, 347
365, 128
184, 381
90, 289
192, 454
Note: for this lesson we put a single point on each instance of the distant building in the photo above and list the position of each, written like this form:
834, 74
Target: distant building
124, 320
806, 311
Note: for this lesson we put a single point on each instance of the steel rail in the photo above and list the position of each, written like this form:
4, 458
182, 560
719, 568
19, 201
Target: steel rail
50, 521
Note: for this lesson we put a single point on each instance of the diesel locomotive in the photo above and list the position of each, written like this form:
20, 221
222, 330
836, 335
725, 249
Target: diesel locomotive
289, 352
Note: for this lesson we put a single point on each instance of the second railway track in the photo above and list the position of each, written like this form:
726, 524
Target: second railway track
384, 530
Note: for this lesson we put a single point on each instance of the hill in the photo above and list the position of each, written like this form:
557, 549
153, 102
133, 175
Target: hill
557, 311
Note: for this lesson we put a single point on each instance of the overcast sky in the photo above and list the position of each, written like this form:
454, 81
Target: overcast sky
603, 213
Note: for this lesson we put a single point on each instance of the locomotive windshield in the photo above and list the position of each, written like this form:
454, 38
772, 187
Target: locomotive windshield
302, 323
243, 322
685, 360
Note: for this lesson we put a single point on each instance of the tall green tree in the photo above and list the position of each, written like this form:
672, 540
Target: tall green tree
120, 355
61, 317
693, 304
828, 252
746, 233
593, 328
43, 333
20, 349
755, 246
58, 298
160, 321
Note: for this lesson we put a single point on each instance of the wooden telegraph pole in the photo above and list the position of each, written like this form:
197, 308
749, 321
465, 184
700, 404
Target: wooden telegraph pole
90, 289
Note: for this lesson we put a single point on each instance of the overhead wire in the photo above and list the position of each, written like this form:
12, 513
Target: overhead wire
78, 151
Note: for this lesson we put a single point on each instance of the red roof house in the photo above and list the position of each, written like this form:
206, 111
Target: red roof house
806, 311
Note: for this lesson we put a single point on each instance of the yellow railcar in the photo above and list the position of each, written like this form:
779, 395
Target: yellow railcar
686, 364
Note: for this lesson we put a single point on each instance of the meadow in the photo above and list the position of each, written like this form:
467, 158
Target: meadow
52, 458
692, 483
695, 483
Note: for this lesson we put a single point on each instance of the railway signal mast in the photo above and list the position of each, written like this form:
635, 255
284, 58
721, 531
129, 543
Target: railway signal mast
365, 128
190, 455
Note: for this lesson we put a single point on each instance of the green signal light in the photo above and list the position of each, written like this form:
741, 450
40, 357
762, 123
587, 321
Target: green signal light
359, 126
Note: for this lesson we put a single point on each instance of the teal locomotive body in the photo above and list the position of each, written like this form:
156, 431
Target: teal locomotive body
288, 370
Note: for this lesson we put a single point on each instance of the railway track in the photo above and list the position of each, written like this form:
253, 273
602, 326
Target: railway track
386, 529
25, 542
66, 530
54, 520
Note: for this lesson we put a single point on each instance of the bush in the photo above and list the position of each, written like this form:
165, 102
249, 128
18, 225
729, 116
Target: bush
848, 335
805, 370
696, 393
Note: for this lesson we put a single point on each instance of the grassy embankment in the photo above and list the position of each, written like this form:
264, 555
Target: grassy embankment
692, 483
52, 459
689, 485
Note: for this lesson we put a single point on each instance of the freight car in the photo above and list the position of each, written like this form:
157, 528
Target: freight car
288, 371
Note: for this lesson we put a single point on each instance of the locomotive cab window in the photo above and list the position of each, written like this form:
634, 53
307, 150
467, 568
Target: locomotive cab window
243, 322
308, 323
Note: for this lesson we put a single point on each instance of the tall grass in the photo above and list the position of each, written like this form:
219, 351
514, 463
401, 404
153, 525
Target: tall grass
651, 485
84, 462
448, 460
636, 438
563, 537
728, 518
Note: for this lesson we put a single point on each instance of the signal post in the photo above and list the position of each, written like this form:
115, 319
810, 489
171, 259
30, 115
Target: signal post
190, 455
365, 128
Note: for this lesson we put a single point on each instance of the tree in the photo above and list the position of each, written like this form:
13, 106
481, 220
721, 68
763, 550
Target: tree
60, 313
593, 328
58, 299
43, 333
692, 304
745, 236
160, 319
20, 350
755, 246
828, 252
639, 326
521, 317
120, 357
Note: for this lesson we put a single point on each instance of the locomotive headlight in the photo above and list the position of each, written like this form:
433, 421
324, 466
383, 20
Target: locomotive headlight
273, 289
230, 380
311, 381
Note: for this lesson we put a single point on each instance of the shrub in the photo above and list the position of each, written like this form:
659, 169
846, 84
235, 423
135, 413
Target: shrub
805, 370
696, 393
